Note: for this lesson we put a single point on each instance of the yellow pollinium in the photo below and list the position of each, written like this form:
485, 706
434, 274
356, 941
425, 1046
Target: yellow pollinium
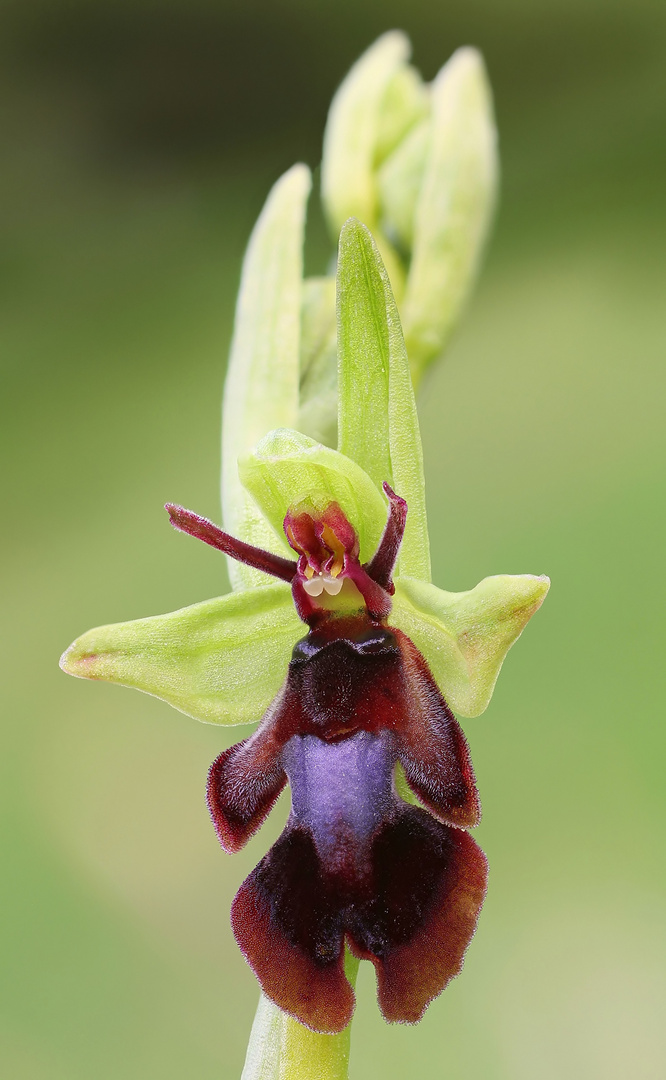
336, 549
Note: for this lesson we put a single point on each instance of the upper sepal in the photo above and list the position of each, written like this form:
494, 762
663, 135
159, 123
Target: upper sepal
285, 468
378, 425
221, 661
465, 636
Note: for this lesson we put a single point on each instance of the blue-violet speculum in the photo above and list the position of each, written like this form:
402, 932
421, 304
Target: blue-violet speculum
401, 885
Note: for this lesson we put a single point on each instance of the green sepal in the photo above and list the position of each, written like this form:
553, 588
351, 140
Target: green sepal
465, 636
261, 389
221, 661
377, 421
287, 467
454, 207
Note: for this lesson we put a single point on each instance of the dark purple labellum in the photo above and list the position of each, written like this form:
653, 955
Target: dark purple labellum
401, 885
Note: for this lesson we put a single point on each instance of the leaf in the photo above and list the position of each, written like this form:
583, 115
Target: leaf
465, 636
454, 207
261, 389
221, 661
377, 420
287, 467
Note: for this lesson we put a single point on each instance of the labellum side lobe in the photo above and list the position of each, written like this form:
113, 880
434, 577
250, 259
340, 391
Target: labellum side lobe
401, 885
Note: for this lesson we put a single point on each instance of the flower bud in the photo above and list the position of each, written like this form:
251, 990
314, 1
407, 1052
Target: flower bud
453, 207
417, 164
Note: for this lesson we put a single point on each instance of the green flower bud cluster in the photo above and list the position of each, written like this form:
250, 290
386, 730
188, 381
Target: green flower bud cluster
417, 164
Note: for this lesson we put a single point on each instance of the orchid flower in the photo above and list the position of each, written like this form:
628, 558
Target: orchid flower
355, 861
357, 714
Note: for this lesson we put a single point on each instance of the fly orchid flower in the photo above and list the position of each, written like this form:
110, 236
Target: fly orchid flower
361, 704
402, 885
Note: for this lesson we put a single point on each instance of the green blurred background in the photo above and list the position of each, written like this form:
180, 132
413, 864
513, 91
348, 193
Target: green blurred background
138, 141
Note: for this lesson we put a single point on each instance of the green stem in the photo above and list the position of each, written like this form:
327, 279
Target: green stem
282, 1049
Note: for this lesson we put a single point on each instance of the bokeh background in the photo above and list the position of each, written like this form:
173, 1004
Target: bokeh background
138, 141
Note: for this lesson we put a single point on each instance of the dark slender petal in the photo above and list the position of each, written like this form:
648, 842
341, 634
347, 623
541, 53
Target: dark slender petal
380, 567
432, 747
202, 529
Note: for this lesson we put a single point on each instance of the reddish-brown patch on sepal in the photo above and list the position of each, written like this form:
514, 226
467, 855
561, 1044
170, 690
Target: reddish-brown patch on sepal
84, 664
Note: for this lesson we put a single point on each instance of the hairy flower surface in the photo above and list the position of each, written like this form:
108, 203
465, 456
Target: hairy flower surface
355, 862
